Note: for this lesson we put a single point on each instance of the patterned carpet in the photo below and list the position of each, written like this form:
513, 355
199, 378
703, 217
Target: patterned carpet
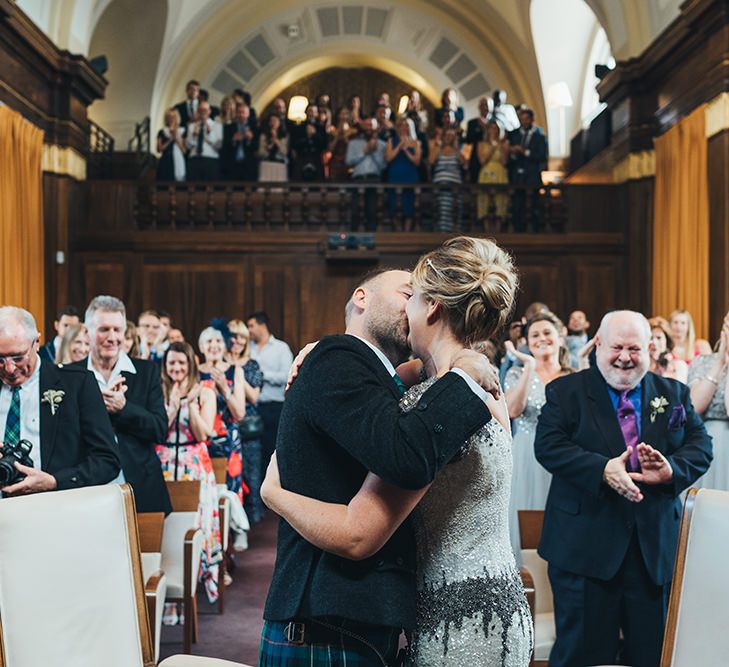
234, 635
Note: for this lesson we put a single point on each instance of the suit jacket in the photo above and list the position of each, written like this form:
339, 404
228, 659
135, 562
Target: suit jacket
340, 420
248, 168
527, 169
48, 351
77, 443
475, 133
587, 525
185, 118
138, 428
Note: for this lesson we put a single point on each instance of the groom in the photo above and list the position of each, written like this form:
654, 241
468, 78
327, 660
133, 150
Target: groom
341, 420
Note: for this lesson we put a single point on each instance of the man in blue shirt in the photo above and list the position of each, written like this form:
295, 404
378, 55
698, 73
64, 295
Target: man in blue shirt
621, 444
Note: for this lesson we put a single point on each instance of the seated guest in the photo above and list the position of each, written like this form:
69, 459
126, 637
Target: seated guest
709, 381
190, 411
131, 340
151, 336
685, 344
446, 164
172, 149
74, 345
273, 151
449, 114
576, 339
227, 381
663, 362
527, 160
240, 145
366, 158
492, 156
204, 139
205, 97
66, 317
59, 410
132, 396
525, 387
239, 354
403, 154
187, 110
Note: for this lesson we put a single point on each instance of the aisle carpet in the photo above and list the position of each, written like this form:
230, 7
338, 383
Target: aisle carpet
235, 635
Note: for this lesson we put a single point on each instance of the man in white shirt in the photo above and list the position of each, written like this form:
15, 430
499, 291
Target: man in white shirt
59, 411
275, 358
204, 139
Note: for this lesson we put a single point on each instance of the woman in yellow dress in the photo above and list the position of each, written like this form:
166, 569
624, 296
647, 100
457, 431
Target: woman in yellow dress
492, 155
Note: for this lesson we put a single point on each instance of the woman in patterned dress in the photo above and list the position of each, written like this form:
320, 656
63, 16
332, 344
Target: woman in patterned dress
226, 380
240, 355
524, 387
190, 415
471, 607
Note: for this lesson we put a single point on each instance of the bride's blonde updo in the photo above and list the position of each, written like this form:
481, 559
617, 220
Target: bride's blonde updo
474, 280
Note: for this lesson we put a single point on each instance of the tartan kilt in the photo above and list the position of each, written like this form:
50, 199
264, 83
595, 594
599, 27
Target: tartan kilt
277, 651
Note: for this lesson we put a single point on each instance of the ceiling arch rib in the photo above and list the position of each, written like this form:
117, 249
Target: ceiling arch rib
412, 35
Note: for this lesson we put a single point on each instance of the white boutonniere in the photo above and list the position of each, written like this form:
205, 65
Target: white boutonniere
53, 397
659, 404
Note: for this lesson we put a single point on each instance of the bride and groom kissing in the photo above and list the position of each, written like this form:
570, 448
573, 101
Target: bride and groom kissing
393, 488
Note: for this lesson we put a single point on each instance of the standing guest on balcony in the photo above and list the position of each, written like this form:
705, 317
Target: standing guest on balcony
503, 113
446, 163
492, 154
385, 127
74, 345
403, 154
527, 159
308, 146
449, 114
338, 142
244, 97
475, 134
274, 358
416, 113
227, 111
239, 160
273, 151
172, 149
366, 158
685, 344
187, 109
204, 139
132, 396
205, 97
67, 316
354, 105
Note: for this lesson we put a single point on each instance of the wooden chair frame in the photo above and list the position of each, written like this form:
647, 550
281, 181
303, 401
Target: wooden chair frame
530, 531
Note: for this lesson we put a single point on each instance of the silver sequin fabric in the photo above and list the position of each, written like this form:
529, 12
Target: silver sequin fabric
526, 422
471, 604
701, 367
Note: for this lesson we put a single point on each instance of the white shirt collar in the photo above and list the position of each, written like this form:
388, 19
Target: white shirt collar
380, 355
123, 364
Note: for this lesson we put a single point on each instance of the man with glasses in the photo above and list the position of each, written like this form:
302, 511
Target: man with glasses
58, 410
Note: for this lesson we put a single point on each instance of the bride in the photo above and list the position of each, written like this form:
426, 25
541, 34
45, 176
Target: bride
471, 607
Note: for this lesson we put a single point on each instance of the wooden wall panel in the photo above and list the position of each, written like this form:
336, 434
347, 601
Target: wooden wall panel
103, 277
718, 159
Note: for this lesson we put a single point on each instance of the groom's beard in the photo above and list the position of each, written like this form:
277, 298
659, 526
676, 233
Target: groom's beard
390, 335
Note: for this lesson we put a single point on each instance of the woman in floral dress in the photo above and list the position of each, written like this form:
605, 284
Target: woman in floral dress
184, 456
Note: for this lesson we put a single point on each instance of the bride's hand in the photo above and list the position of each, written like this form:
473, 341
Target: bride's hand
480, 369
294, 370
271, 483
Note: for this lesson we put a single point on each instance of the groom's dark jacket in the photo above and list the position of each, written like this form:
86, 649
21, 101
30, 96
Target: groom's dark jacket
340, 420
588, 526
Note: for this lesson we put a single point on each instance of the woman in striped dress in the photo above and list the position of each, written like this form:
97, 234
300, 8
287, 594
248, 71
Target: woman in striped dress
446, 162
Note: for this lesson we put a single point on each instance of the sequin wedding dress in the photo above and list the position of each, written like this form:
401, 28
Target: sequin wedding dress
471, 605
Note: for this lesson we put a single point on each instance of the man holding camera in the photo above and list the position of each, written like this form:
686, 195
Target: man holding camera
58, 412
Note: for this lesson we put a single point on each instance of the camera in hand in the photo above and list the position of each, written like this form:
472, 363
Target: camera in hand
19, 452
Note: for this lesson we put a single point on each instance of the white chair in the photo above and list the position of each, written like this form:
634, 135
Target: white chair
79, 606
220, 467
534, 569
150, 526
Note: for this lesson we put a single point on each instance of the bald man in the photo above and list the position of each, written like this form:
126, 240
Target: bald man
621, 444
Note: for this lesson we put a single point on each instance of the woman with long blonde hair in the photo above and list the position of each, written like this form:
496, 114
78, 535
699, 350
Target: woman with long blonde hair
685, 344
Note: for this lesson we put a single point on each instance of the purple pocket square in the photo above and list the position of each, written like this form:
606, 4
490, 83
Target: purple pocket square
677, 419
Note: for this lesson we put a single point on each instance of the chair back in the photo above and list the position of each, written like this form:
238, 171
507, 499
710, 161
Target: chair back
177, 525
71, 586
150, 531
220, 468
184, 496
530, 532
698, 617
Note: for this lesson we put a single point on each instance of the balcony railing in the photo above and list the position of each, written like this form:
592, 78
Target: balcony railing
294, 206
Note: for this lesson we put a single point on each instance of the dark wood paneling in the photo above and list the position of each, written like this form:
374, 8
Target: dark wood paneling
103, 276
718, 172
637, 200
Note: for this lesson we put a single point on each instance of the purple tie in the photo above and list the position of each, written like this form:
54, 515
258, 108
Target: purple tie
629, 427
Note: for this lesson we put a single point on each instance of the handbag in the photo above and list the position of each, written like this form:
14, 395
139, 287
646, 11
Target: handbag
251, 427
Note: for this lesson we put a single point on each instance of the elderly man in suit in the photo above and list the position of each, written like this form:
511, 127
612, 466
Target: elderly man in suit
132, 394
58, 410
621, 444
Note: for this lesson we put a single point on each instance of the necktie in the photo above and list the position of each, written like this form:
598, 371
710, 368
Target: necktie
240, 153
400, 384
200, 139
12, 424
629, 427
